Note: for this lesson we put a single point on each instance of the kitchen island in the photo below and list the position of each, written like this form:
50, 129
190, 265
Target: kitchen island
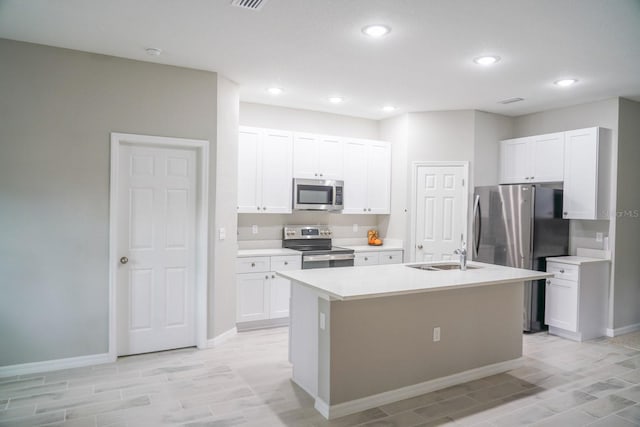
361, 337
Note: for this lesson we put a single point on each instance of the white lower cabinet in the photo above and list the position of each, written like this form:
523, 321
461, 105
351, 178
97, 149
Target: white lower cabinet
378, 257
576, 298
262, 295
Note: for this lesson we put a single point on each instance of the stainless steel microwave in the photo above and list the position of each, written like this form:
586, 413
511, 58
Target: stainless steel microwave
318, 194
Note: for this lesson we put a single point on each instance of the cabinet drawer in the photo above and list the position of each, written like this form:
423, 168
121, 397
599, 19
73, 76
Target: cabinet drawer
366, 258
287, 262
252, 264
563, 271
390, 257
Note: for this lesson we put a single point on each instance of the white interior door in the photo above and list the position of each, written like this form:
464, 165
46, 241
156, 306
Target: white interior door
440, 211
155, 285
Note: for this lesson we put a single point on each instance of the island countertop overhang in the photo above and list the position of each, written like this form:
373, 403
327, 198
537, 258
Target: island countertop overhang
351, 283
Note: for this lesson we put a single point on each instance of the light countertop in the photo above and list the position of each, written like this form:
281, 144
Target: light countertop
244, 253
349, 283
369, 248
575, 260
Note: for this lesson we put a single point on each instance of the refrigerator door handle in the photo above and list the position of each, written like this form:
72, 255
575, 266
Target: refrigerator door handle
477, 226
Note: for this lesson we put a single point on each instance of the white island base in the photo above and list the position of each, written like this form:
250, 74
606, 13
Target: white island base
359, 352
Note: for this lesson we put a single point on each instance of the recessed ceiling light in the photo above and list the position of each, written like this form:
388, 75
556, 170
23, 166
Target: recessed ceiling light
376, 30
486, 60
275, 90
336, 99
565, 82
153, 51
388, 108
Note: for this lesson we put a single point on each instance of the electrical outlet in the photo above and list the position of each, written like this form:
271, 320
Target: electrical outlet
436, 334
222, 233
598, 237
322, 321
355, 228
254, 229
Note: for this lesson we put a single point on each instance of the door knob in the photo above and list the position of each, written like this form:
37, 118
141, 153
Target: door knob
419, 246
124, 260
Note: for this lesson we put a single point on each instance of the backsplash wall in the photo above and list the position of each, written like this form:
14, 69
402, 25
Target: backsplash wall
270, 225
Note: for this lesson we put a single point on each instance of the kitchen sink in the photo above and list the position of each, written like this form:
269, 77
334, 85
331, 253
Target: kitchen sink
441, 267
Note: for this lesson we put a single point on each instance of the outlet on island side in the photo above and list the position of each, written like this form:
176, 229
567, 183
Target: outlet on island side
436, 334
254, 229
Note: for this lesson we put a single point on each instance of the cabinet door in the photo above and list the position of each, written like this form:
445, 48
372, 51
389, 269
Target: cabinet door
355, 177
580, 174
547, 158
330, 157
280, 289
514, 161
305, 156
248, 169
390, 257
277, 167
379, 178
366, 258
252, 297
561, 304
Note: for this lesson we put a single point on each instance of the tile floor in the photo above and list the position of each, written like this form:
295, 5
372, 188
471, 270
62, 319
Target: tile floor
245, 382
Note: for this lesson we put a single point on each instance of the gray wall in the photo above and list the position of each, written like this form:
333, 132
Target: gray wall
222, 296
269, 116
57, 110
489, 130
627, 229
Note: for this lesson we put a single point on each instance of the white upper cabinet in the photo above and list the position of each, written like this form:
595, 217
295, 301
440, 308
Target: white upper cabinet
514, 162
317, 156
587, 174
532, 159
367, 177
547, 157
264, 171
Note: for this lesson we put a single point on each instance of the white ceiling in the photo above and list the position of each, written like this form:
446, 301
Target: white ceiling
315, 48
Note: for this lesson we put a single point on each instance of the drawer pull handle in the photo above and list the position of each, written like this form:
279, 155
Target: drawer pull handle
390, 257
253, 264
273, 276
548, 282
562, 270
366, 259
266, 277
286, 263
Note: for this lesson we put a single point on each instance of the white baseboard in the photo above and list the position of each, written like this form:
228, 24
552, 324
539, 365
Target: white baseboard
353, 406
216, 341
624, 330
54, 365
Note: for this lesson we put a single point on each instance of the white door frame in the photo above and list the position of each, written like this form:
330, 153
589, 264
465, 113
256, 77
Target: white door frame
414, 195
201, 148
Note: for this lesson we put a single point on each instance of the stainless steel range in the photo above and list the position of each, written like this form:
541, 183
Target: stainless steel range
314, 241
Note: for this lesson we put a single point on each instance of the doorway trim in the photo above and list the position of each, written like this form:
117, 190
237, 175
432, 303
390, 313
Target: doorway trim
414, 190
201, 147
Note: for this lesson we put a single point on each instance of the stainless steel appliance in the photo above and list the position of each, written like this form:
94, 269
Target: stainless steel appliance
315, 243
519, 226
318, 194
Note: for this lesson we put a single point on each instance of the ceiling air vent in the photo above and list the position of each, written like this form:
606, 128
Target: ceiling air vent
510, 100
249, 4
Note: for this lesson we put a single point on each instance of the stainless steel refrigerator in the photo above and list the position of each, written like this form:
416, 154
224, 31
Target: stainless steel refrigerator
519, 226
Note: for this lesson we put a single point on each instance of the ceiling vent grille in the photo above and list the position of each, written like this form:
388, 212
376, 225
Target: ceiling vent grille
249, 4
510, 100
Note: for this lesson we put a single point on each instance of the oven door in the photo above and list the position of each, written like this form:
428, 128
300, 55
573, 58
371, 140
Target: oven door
327, 261
311, 194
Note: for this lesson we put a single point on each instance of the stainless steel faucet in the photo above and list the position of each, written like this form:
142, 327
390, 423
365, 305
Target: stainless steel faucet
463, 254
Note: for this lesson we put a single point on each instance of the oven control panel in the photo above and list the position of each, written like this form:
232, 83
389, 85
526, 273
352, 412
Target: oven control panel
306, 232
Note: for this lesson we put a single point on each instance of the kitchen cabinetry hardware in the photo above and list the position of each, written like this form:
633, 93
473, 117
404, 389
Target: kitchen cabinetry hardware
124, 260
419, 246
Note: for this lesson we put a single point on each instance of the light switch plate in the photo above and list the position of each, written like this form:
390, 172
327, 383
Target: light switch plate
254, 229
598, 237
323, 324
222, 233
